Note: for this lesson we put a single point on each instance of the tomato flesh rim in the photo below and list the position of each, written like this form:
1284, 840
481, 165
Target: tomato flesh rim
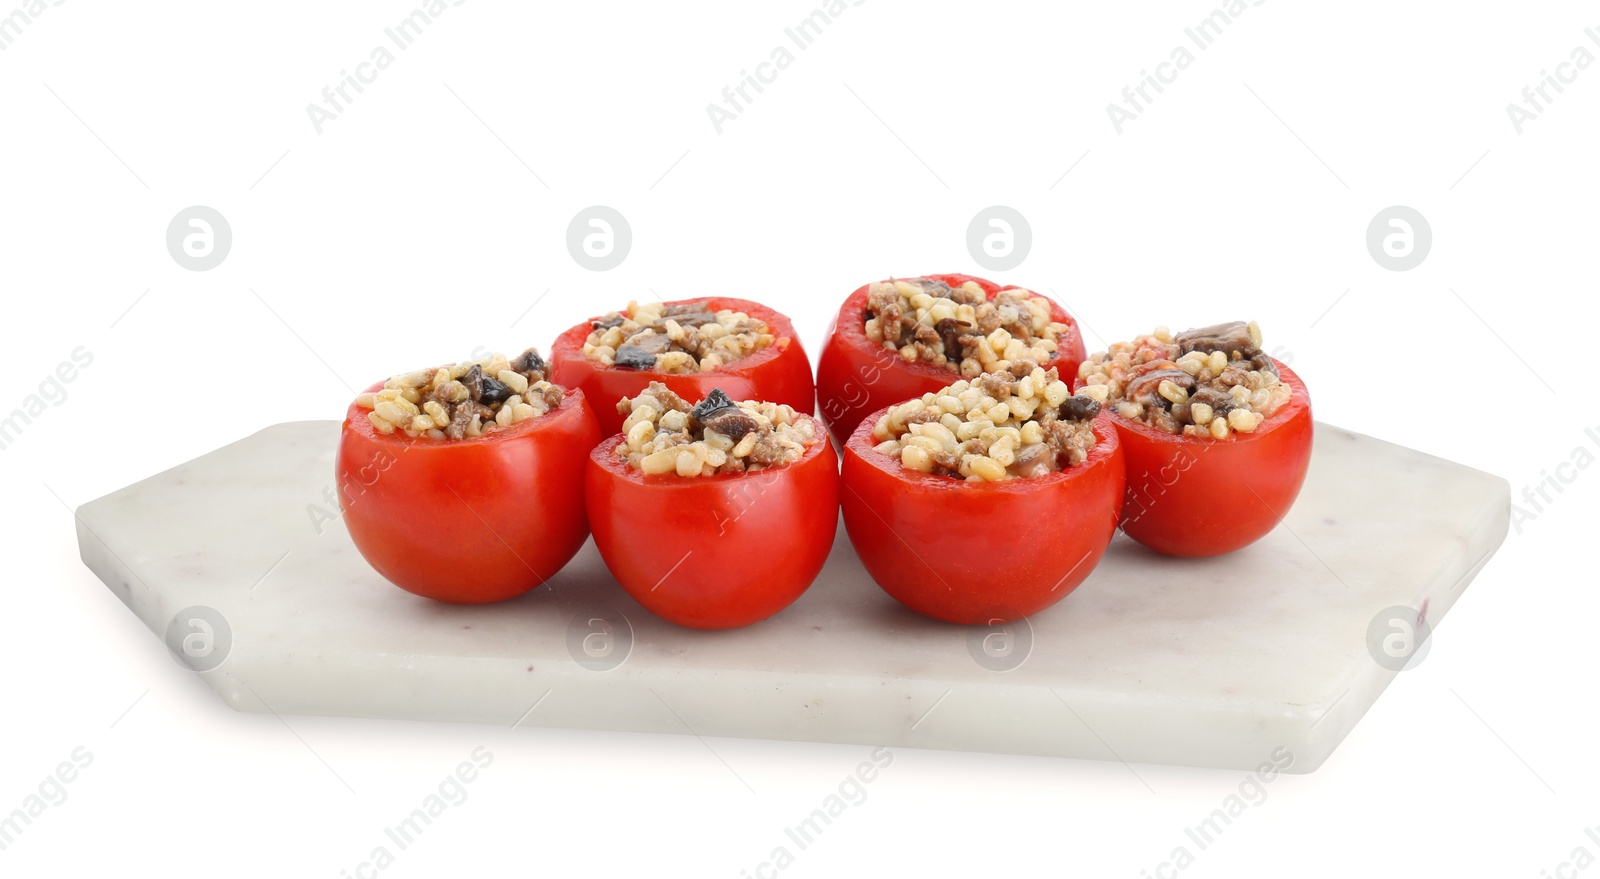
605, 455
850, 327
569, 344
356, 422
865, 447
1297, 402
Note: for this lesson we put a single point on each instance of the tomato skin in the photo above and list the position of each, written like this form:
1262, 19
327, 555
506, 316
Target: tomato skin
1196, 497
779, 373
855, 376
762, 536
468, 521
980, 553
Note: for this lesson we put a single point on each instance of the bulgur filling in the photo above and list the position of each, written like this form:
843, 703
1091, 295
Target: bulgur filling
465, 399
718, 435
675, 338
961, 329
1013, 424
1209, 381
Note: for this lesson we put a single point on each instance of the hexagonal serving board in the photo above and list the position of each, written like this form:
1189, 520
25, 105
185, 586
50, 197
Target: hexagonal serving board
1215, 662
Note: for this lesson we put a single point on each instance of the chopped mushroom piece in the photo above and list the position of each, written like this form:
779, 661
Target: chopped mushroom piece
961, 329
1212, 381
675, 338
1019, 424
664, 434
461, 400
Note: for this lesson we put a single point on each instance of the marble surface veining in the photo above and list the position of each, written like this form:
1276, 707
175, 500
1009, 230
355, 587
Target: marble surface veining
1214, 662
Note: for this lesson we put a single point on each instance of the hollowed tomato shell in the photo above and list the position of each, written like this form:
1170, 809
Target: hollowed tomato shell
979, 553
1197, 497
779, 373
473, 520
856, 376
715, 552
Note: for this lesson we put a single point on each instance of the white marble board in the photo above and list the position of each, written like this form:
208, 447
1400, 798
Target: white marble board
1214, 663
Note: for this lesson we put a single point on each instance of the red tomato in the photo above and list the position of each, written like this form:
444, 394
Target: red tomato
714, 552
856, 376
472, 520
779, 373
1197, 497
980, 552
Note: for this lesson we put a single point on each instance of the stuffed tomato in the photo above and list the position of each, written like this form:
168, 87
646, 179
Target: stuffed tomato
898, 339
464, 483
1217, 436
987, 500
691, 346
714, 515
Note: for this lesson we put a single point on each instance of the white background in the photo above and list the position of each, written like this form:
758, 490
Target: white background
409, 231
